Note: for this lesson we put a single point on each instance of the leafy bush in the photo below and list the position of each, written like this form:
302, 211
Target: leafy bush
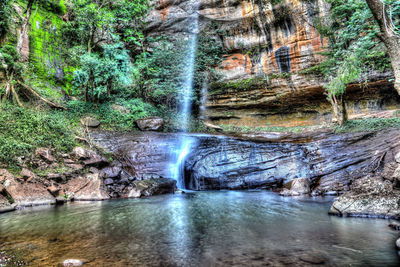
101, 75
23, 130
110, 118
5, 12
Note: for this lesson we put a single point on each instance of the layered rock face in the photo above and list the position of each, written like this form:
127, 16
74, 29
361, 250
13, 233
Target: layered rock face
270, 50
84, 176
330, 162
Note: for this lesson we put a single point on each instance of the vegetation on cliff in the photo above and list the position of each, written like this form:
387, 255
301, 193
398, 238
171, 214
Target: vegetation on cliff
358, 44
63, 60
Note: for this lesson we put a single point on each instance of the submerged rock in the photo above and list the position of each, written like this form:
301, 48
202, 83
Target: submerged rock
395, 225
151, 124
369, 197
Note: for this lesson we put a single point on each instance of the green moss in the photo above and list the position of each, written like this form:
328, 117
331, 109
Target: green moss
247, 129
368, 125
236, 86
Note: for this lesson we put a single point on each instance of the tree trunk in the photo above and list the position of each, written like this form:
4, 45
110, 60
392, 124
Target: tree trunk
339, 110
23, 36
389, 38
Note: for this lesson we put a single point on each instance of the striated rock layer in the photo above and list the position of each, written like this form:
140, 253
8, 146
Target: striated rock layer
267, 80
329, 161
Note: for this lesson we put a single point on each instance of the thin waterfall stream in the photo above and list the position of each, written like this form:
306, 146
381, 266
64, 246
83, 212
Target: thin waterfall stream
185, 142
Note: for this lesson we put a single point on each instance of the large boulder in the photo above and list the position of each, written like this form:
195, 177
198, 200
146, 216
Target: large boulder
86, 188
150, 124
297, 187
369, 197
90, 122
154, 186
45, 153
25, 194
301, 185
112, 172
6, 202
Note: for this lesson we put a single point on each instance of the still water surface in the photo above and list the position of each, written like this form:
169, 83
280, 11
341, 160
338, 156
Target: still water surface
199, 229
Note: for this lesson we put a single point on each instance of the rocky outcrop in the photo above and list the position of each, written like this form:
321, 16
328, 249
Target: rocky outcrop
82, 175
267, 71
153, 186
369, 197
330, 162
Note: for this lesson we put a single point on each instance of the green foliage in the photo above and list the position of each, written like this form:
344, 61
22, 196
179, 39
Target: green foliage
347, 73
23, 130
92, 23
53, 6
101, 75
123, 119
9, 60
352, 31
5, 17
392, 8
368, 125
129, 21
159, 76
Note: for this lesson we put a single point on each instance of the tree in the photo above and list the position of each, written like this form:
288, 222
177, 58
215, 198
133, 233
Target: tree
9, 64
5, 11
384, 12
91, 24
101, 75
347, 73
354, 49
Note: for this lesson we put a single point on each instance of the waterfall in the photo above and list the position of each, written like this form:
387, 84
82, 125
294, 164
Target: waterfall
185, 142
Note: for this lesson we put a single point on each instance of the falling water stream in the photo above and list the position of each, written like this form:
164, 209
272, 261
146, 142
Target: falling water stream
185, 142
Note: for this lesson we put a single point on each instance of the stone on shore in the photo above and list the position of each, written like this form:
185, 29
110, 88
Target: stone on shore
45, 153
89, 187
369, 197
151, 124
72, 263
297, 187
90, 122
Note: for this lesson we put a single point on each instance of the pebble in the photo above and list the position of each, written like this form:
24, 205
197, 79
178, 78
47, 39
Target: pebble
72, 263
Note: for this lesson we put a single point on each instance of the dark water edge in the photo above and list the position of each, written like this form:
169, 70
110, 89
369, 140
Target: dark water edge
227, 228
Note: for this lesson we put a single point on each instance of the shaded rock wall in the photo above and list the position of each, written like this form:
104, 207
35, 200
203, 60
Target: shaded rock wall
274, 43
331, 162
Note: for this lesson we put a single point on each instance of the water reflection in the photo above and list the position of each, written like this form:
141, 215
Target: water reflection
199, 229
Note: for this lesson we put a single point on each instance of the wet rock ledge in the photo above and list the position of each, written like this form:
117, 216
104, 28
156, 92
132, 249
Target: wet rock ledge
362, 167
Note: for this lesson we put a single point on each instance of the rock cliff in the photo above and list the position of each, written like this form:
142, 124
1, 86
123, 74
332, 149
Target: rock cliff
331, 162
268, 74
